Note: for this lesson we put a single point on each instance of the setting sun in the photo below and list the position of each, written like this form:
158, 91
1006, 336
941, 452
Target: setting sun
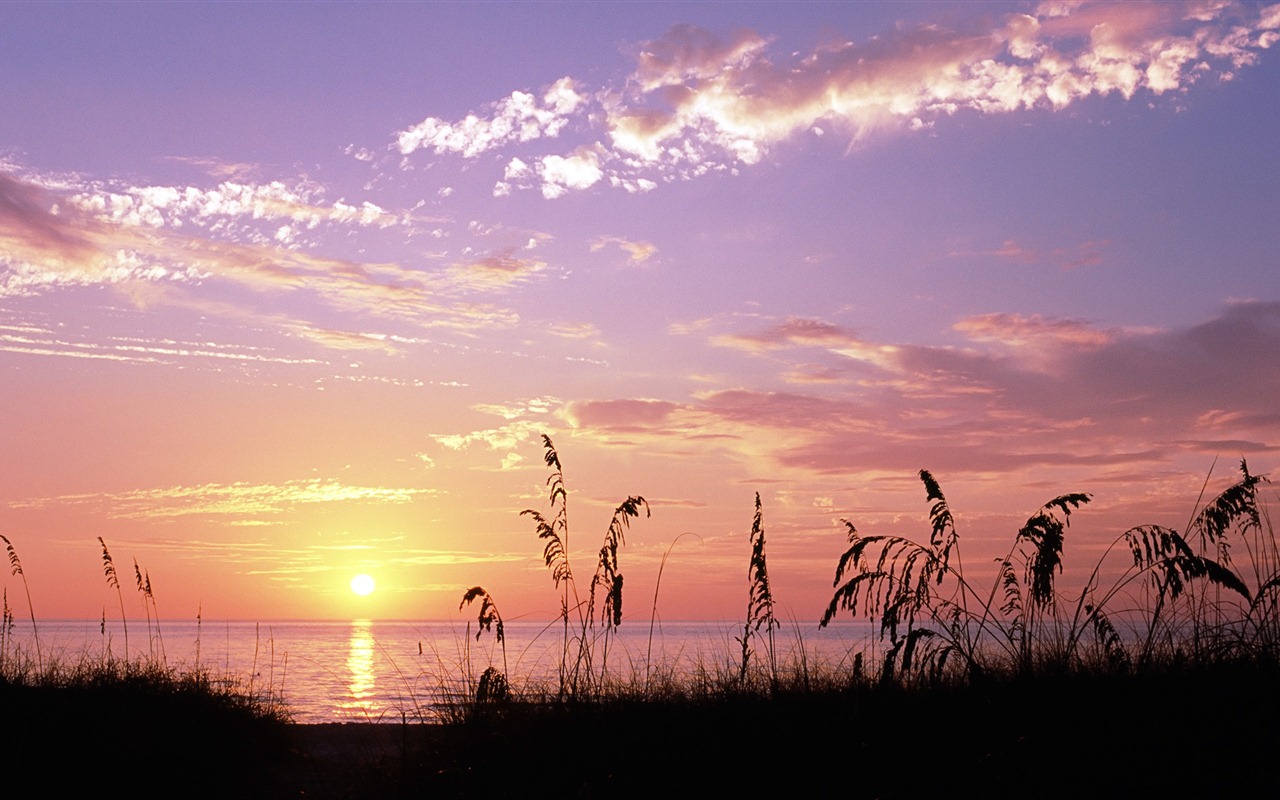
362, 585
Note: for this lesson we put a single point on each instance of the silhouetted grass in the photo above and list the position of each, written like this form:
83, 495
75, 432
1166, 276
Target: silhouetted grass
577, 671
759, 601
1156, 677
1160, 682
1182, 596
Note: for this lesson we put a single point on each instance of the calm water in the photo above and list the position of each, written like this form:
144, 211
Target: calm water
362, 670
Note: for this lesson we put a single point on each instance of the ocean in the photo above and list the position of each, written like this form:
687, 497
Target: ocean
389, 671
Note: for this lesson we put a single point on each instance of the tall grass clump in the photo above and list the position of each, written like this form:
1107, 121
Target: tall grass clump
155, 641
577, 656
608, 580
15, 568
1182, 597
555, 552
759, 602
113, 581
6, 628
492, 684
1203, 600
931, 614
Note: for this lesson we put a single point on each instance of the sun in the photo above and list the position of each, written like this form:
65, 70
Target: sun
362, 584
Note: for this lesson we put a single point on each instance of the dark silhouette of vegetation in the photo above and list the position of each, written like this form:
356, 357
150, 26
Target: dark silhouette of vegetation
1182, 593
186, 732
113, 581
577, 672
759, 601
15, 567
492, 683
1170, 649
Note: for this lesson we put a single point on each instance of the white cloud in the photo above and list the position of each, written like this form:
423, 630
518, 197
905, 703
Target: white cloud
578, 171
516, 169
508, 437
40, 341
520, 117
233, 209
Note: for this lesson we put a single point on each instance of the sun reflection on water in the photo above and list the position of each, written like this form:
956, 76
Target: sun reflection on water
361, 686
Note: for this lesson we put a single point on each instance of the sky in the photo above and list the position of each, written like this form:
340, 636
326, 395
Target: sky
291, 292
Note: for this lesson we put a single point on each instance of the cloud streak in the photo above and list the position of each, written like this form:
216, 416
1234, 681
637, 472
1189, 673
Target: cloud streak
34, 340
157, 245
234, 500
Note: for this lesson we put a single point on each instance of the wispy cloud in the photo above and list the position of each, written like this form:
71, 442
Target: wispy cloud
40, 341
1083, 254
260, 213
637, 252
156, 245
1020, 330
507, 438
801, 332
575, 330
235, 499
495, 271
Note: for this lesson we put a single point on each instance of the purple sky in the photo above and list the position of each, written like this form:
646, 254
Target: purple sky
290, 291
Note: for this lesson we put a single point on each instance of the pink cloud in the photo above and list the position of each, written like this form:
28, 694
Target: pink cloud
620, 415
817, 374
795, 331
804, 332
1020, 330
496, 271
1105, 398
1084, 254
28, 224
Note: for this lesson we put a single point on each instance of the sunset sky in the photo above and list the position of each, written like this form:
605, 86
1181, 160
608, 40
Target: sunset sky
289, 292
